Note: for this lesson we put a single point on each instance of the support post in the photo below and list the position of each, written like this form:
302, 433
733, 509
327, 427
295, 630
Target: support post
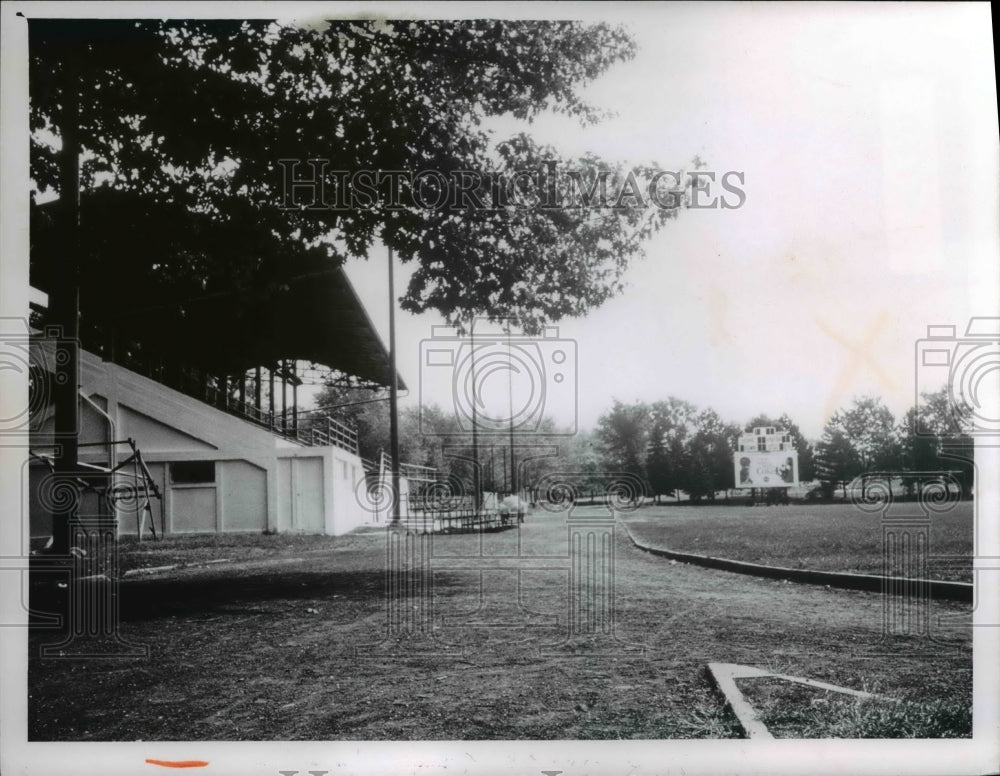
270, 395
295, 401
256, 389
284, 397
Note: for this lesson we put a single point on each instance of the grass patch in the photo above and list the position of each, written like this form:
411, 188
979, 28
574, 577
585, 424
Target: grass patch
821, 537
795, 711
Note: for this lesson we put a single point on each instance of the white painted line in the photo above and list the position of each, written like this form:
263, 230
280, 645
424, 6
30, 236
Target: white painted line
149, 570
724, 676
724, 680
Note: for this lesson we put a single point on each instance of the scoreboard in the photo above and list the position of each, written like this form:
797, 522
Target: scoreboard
766, 458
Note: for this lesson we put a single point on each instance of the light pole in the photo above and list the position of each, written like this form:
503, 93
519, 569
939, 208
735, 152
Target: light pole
64, 303
393, 397
510, 396
475, 421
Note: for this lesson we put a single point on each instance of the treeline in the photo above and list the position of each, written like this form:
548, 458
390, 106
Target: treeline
865, 438
433, 437
674, 446
678, 447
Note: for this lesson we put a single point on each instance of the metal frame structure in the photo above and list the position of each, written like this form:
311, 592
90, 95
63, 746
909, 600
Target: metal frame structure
141, 480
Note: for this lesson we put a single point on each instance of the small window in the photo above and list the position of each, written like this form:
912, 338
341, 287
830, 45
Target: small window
192, 472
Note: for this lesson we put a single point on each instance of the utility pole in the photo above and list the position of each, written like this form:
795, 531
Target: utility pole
393, 397
475, 422
65, 297
510, 396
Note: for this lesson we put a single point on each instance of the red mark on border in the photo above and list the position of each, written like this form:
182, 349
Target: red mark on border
179, 763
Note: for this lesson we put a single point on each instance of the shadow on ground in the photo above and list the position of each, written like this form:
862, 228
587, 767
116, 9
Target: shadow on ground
150, 599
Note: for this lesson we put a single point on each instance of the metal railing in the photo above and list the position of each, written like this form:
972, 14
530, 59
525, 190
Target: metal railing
330, 432
197, 386
457, 514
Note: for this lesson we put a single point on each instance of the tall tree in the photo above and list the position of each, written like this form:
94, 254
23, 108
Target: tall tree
624, 435
858, 440
197, 115
871, 429
671, 421
580, 458
709, 456
837, 461
934, 437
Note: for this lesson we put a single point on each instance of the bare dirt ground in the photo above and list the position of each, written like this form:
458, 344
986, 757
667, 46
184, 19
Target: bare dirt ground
290, 645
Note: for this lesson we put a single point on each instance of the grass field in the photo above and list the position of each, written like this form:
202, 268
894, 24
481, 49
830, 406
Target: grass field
288, 643
794, 711
829, 537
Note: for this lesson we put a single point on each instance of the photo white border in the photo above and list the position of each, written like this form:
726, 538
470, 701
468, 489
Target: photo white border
978, 755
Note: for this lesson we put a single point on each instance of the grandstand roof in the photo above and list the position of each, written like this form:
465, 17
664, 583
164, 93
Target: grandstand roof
191, 290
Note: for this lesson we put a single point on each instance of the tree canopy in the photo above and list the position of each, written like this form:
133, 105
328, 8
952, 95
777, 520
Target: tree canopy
934, 437
864, 438
672, 443
198, 114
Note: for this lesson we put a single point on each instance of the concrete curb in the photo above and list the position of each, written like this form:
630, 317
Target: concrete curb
936, 588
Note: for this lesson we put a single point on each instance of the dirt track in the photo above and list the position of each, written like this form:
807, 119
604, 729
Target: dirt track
265, 650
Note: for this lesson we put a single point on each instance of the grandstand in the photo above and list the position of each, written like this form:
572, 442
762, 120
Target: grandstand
204, 384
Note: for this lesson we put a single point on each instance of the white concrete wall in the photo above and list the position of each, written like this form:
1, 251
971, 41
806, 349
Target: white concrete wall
317, 489
262, 482
348, 488
243, 495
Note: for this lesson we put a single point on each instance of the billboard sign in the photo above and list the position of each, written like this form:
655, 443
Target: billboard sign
773, 469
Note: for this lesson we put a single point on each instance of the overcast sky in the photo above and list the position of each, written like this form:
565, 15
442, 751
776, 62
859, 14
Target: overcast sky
867, 136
